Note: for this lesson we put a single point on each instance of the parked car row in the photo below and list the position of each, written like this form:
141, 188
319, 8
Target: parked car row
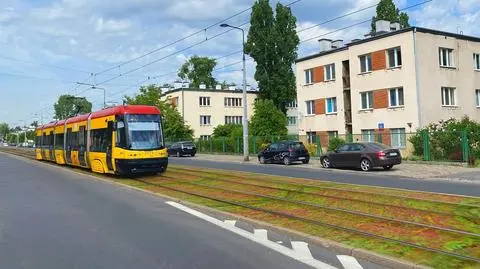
364, 156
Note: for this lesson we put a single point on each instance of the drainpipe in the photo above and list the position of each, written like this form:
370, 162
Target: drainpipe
417, 78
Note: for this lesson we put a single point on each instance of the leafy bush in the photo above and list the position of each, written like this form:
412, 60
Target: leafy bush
335, 142
312, 149
445, 138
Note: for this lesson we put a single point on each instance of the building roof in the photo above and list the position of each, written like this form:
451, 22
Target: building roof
384, 35
206, 90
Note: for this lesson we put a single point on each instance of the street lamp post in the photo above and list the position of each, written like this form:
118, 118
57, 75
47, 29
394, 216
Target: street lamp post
245, 114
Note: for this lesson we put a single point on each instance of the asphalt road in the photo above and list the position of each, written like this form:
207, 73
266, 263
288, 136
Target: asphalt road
50, 218
360, 178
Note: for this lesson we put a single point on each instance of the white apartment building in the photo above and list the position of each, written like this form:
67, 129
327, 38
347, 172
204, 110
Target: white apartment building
388, 84
204, 109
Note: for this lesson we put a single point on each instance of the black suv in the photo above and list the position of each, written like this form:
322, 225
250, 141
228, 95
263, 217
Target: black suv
181, 149
284, 152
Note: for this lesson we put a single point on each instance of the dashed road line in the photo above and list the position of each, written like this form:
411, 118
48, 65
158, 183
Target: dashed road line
349, 262
299, 252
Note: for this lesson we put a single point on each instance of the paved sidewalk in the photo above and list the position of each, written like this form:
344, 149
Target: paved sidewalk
406, 169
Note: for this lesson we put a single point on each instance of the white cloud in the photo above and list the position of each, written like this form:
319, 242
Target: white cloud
111, 25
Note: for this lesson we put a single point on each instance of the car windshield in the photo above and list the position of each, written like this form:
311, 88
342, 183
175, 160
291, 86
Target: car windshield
144, 132
297, 145
378, 146
188, 144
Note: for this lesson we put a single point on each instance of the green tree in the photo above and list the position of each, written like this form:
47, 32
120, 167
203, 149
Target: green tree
273, 42
4, 130
173, 124
69, 105
227, 130
34, 124
386, 10
199, 71
267, 119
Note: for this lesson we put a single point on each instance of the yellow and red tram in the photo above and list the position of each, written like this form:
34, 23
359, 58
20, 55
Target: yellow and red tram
117, 140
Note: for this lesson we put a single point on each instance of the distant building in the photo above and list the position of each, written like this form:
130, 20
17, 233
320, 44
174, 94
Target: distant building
388, 84
204, 109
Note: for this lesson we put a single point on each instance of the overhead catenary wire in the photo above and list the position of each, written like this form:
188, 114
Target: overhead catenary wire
310, 27
189, 47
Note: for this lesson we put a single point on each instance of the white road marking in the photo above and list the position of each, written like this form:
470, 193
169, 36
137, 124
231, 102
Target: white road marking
230, 222
270, 244
302, 250
260, 234
349, 262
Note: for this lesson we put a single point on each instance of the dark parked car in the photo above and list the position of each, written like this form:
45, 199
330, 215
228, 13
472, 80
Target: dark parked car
365, 156
182, 149
284, 152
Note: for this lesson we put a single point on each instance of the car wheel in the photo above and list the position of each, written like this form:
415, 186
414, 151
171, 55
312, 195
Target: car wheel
365, 165
286, 161
326, 162
387, 167
178, 154
261, 160
193, 154
305, 161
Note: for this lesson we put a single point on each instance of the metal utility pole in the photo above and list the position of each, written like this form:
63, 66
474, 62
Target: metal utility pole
245, 109
99, 88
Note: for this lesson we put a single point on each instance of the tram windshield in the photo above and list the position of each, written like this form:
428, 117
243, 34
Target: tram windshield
144, 132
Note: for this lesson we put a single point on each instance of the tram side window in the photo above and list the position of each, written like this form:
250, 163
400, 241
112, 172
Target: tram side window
121, 139
38, 141
99, 140
59, 141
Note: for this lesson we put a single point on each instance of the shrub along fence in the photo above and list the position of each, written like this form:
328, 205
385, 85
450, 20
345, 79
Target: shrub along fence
451, 146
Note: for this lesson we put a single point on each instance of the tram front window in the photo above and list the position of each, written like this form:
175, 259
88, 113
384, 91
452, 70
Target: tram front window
144, 132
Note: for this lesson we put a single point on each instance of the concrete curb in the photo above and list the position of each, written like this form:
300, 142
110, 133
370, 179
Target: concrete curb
335, 246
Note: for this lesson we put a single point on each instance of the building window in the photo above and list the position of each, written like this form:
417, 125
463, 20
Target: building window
292, 121
448, 96
309, 76
233, 102
398, 138
477, 94
292, 104
331, 105
233, 119
312, 137
476, 61
205, 137
204, 101
330, 72
368, 135
396, 97
394, 57
365, 63
446, 57
332, 134
205, 120
366, 100
310, 107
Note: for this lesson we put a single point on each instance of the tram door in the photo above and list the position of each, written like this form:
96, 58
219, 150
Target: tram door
109, 145
82, 141
51, 146
68, 147
44, 144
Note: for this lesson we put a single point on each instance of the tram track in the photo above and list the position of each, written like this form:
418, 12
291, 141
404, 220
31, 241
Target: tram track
372, 206
303, 219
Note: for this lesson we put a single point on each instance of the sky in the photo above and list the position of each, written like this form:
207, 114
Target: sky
48, 46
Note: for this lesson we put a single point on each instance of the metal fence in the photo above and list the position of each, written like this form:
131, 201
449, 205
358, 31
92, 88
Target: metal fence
452, 146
